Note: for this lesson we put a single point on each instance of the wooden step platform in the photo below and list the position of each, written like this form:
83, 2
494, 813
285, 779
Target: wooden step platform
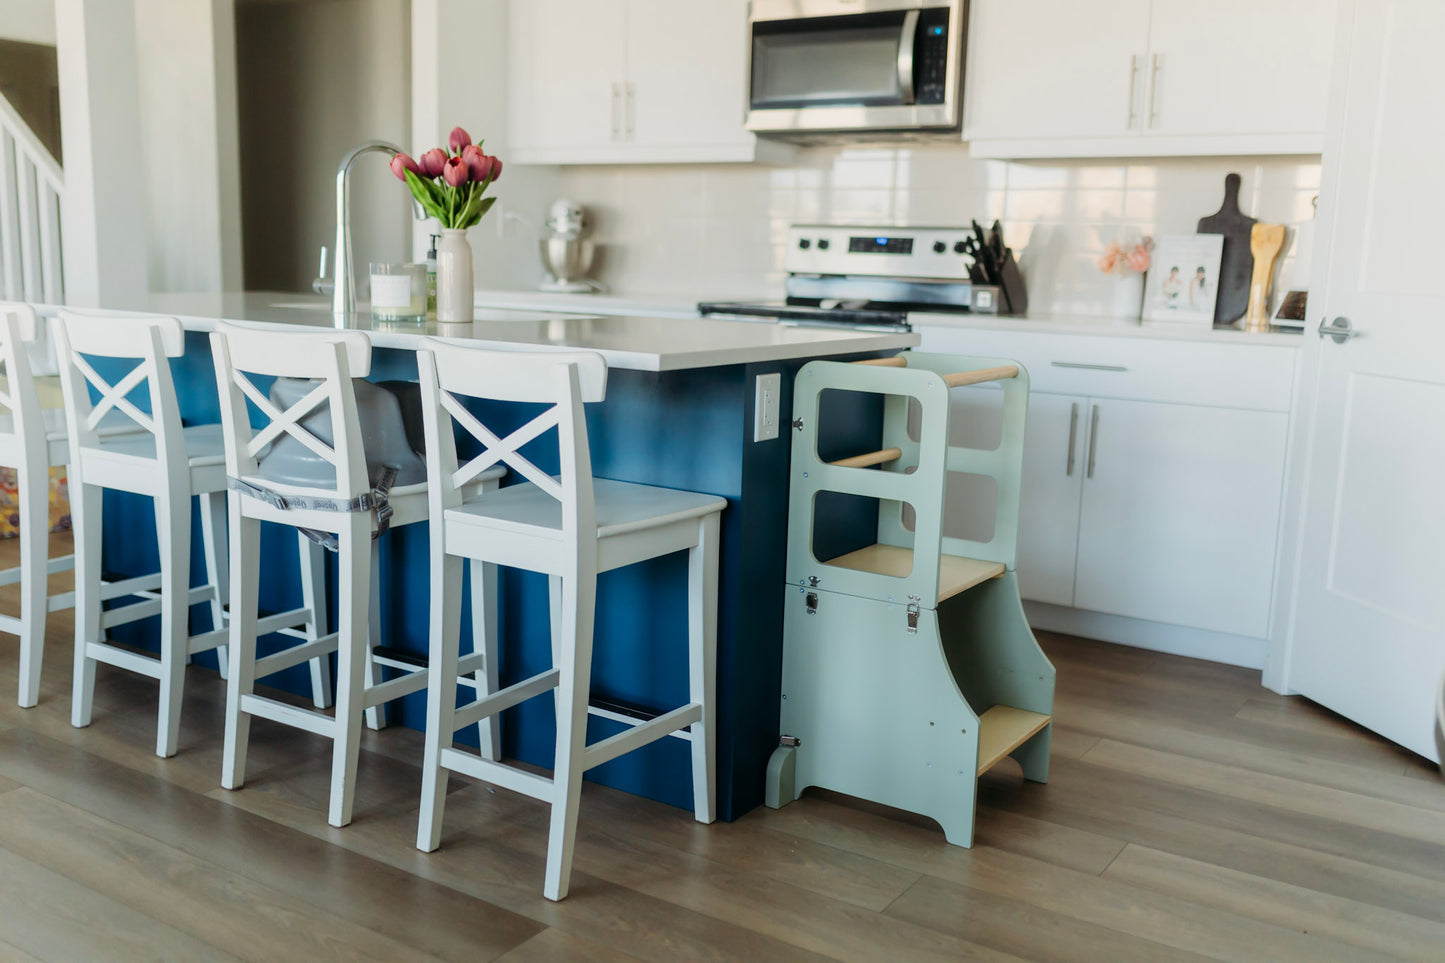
1003, 729
955, 573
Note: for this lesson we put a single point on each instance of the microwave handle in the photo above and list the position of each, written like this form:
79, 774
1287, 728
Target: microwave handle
905, 55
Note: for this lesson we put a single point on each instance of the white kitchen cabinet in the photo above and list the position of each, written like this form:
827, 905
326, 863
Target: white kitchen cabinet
1152, 480
1049, 497
1180, 514
631, 81
1050, 78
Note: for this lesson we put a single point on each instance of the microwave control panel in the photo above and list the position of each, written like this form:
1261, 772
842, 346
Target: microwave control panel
930, 56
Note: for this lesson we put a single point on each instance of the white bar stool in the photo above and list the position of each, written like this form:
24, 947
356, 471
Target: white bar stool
572, 527
164, 461
32, 440
354, 510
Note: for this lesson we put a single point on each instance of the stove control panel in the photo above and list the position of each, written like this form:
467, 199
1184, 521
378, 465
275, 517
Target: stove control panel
906, 252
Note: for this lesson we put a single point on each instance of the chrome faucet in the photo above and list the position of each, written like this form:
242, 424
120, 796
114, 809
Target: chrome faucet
343, 283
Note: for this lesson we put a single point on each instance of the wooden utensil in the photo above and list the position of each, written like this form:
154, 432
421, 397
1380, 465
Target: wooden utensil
1237, 263
1265, 241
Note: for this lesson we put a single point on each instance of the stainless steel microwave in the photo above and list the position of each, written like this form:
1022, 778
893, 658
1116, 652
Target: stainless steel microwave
818, 66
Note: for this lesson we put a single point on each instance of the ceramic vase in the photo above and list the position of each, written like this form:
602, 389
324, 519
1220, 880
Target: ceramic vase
1129, 296
454, 277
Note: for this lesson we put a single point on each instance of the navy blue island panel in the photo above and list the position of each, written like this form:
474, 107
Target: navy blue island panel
689, 429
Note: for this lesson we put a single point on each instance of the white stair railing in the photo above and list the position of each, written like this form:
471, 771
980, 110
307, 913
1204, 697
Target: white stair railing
31, 188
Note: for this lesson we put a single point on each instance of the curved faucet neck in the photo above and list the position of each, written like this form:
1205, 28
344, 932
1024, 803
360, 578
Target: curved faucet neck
343, 295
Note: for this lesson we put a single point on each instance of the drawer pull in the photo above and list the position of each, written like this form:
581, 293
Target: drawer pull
1088, 367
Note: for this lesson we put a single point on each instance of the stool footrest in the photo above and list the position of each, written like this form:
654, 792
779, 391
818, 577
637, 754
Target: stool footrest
124, 659
10, 623
413, 681
287, 714
130, 586
296, 655
499, 774
282, 620
504, 699
60, 563
206, 641
150, 606
629, 716
641, 734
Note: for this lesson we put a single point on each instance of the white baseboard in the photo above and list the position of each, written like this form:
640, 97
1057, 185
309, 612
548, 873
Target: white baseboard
1159, 636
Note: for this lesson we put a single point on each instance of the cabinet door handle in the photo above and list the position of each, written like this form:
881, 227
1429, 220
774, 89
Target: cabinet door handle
1073, 434
1093, 439
631, 109
1088, 367
1155, 62
1133, 84
616, 110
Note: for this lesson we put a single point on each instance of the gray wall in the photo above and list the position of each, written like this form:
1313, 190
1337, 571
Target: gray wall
314, 79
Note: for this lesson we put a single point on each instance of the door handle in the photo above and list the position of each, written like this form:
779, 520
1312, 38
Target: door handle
616, 110
905, 55
1093, 440
1073, 434
1088, 367
1133, 83
1339, 330
631, 109
1155, 62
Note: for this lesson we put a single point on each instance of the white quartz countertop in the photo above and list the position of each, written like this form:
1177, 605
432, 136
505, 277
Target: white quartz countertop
626, 341
1106, 327
639, 305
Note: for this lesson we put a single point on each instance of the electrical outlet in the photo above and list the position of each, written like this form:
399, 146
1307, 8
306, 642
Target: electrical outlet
765, 406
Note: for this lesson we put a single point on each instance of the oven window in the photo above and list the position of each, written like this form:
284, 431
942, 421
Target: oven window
827, 61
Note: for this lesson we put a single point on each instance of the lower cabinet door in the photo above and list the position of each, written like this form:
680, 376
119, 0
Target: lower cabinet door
1180, 514
1049, 501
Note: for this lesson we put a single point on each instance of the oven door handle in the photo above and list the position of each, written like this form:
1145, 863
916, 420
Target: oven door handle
905, 55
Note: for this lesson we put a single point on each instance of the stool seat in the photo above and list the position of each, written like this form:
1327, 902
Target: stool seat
621, 507
57, 438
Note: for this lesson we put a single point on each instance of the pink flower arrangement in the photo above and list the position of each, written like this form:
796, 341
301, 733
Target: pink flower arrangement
1126, 259
450, 184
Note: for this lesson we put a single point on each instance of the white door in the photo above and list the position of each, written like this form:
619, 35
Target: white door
1180, 514
1368, 627
1238, 66
1055, 68
1049, 498
566, 74
686, 73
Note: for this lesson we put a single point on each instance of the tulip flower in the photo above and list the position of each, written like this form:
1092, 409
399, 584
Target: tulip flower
478, 163
496, 168
402, 163
459, 140
432, 162
455, 172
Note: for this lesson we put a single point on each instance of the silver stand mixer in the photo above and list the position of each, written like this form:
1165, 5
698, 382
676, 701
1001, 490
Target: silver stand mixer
566, 255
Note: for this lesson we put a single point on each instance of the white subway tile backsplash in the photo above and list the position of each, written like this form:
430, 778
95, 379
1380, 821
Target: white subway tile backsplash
721, 230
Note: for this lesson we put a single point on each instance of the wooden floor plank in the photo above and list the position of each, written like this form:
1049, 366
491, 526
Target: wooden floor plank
246, 919
554, 945
1296, 907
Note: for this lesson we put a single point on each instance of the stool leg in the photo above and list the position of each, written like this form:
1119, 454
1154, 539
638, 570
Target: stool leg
573, 687
213, 541
173, 530
484, 640
354, 568
313, 596
554, 601
34, 595
441, 693
241, 678
376, 715
702, 664
85, 520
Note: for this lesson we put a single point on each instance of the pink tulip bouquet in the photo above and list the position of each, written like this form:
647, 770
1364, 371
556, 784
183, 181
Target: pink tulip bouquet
449, 185
1126, 259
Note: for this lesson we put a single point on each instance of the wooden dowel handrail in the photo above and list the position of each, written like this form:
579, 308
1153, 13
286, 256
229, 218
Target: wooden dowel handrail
895, 362
961, 378
869, 459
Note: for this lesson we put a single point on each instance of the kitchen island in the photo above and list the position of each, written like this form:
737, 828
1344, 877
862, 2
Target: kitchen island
679, 413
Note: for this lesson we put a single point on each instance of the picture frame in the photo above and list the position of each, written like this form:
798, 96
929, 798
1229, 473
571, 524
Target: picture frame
1183, 280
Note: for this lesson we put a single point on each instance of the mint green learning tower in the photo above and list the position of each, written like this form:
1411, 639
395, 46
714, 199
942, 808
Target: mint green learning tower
908, 667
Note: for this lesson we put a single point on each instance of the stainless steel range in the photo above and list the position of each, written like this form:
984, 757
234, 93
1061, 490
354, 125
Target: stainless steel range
871, 277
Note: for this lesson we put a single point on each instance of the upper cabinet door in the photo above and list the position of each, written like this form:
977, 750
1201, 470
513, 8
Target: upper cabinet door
567, 74
686, 74
1055, 68
1240, 67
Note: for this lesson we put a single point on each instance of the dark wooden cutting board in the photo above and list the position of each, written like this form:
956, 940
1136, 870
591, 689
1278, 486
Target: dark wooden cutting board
1238, 263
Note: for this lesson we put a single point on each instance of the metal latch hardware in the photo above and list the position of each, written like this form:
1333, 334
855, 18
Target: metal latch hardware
797, 424
811, 601
791, 742
913, 601
813, 581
